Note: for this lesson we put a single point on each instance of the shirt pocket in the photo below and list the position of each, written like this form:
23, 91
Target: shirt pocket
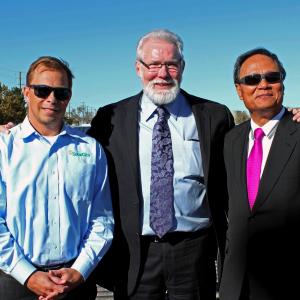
192, 156
79, 183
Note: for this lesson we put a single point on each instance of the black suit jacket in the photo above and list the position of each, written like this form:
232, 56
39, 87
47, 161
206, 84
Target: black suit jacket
116, 127
262, 249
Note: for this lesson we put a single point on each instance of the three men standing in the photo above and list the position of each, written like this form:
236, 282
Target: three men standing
168, 182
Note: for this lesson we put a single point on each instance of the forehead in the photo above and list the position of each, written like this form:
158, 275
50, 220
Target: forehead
43, 73
158, 49
258, 63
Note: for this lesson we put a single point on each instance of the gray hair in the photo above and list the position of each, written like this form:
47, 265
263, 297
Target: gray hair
241, 59
160, 34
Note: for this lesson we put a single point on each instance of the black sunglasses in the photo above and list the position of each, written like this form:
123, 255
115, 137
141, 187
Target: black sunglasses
43, 91
255, 79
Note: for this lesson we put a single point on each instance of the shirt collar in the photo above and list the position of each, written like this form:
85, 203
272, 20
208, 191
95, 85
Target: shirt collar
270, 127
27, 129
148, 107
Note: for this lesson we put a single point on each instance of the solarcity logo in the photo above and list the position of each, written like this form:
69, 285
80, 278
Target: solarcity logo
79, 154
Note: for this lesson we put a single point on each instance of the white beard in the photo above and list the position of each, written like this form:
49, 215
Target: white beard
162, 97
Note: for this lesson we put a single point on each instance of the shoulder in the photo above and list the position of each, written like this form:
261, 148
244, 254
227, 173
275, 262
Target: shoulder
208, 106
218, 115
205, 102
78, 135
120, 105
241, 129
111, 114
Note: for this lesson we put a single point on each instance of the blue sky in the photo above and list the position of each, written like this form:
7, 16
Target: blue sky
98, 39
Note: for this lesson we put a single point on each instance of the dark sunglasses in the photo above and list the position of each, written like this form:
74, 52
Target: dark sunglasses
255, 79
43, 91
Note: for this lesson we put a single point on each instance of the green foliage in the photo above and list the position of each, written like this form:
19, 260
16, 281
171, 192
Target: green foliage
13, 108
12, 105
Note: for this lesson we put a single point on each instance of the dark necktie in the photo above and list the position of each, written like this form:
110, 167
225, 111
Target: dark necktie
162, 173
254, 166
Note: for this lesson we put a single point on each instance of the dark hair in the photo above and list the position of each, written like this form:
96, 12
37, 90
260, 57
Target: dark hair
52, 63
241, 59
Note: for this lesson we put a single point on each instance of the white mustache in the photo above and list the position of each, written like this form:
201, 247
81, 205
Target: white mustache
162, 81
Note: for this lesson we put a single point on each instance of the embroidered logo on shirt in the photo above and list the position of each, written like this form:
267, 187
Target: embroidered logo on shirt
79, 154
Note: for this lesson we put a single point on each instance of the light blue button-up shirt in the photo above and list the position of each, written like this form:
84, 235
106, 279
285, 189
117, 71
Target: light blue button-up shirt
191, 207
55, 203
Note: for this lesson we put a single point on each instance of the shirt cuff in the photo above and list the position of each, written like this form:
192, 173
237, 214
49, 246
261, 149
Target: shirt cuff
83, 265
22, 270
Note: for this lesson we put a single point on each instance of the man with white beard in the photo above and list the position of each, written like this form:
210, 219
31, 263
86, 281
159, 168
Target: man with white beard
164, 150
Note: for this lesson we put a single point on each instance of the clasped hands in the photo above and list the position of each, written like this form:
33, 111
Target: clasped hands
55, 284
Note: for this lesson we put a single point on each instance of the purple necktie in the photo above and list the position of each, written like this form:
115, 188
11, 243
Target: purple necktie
254, 166
162, 173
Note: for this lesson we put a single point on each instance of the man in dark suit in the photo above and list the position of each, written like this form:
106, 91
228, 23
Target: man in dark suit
262, 158
167, 177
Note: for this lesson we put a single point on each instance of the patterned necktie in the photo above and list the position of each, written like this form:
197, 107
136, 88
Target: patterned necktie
162, 173
254, 166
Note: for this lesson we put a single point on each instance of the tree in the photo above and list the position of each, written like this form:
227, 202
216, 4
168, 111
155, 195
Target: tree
240, 116
12, 105
82, 114
13, 108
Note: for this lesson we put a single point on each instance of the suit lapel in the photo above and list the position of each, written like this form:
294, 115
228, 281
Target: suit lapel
282, 147
130, 134
204, 131
239, 162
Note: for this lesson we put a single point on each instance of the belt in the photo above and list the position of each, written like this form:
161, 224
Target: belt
176, 236
54, 267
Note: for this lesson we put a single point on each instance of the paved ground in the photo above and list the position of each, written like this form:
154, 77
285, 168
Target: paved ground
104, 294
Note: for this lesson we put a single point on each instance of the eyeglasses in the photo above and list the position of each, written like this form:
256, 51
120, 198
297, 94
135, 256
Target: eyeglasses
43, 91
255, 79
155, 67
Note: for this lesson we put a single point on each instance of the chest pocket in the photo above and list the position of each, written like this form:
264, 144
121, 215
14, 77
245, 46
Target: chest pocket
191, 153
80, 174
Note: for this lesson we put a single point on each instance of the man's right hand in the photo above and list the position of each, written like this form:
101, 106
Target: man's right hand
41, 284
6, 128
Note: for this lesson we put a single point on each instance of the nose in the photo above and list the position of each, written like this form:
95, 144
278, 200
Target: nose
263, 84
51, 97
163, 72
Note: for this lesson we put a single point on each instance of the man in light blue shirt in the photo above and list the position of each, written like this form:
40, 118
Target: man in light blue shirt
56, 218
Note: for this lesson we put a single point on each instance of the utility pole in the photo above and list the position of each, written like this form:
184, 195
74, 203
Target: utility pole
20, 80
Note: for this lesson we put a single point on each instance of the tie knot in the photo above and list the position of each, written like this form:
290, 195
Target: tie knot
161, 111
258, 134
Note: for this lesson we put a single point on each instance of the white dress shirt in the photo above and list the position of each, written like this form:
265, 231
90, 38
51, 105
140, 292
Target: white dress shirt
269, 130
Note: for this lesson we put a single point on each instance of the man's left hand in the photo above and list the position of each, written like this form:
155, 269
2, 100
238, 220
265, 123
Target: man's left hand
6, 127
296, 113
70, 277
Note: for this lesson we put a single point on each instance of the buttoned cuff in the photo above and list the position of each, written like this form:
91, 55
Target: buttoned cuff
83, 265
22, 270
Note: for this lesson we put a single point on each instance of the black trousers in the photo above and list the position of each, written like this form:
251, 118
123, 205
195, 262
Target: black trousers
11, 289
179, 267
